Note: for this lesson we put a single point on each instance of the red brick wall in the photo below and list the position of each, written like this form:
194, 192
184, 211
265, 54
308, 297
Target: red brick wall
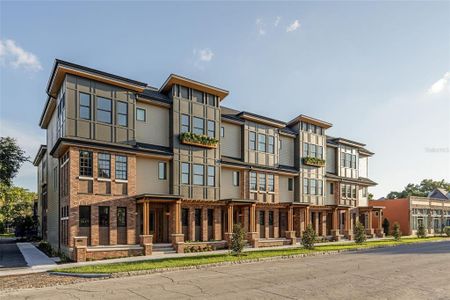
396, 210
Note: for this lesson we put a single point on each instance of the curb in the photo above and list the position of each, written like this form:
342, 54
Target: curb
81, 275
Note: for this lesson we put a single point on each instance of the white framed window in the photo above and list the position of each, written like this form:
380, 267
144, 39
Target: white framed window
262, 181
252, 181
236, 178
162, 170
141, 114
199, 174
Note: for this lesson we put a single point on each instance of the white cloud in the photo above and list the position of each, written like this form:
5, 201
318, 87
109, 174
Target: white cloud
17, 57
277, 21
260, 27
205, 54
440, 85
294, 26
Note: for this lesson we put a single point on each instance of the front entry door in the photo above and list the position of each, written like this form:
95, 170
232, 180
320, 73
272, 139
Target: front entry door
159, 225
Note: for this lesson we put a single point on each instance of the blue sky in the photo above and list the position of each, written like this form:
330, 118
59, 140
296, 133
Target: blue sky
378, 71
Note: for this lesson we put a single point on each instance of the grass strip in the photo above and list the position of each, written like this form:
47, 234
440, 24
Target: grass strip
191, 261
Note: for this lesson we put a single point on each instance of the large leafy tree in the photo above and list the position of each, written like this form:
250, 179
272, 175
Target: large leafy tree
11, 158
15, 202
420, 190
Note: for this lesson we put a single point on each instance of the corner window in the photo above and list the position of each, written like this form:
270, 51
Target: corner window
122, 113
252, 181
85, 106
270, 182
84, 216
211, 129
104, 165
252, 140
199, 126
121, 167
262, 181
199, 173
184, 92
162, 171
103, 216
185, 173
211, 176
141, 114
270, 144
236, 178
197, 96
290, 184
185, 126
86, 163
261, 142
104, 110
121, 217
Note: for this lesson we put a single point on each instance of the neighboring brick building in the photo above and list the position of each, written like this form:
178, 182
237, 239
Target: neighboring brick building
432, 211
124, 161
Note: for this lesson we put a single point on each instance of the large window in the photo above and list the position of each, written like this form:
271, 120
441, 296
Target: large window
104, 110
211, 175
319, 187
349, 191
104, 165
85, 106
121, 217
211, 129
184, 92
199, 173
211, 100
141, 114
312, 150
121, 167
86, 163
252, 140
270, 144
261, 142
252, 181
103, 216
84, 216
185, 173
197, 96
343, 191
122, 113
236, 178
199, 125
270, 182
320, 152
290, 184
262, 181
185, 126
305, 149
312, 184
354, 191
162, 171
305, 186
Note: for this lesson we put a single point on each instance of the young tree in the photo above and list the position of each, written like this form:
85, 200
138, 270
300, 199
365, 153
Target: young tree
309, 237
360, 233
386, 226
421, 231
11, 158
396, 233
238, 239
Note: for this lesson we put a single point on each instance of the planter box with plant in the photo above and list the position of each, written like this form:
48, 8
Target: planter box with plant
314, 161
199, 140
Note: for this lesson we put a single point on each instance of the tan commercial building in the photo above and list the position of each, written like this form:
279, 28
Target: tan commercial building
128, 168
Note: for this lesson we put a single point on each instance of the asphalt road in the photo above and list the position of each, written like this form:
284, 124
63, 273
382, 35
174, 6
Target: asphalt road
420, 271
10, 255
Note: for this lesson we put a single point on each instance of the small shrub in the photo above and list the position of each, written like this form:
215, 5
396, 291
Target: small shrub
187, 250
238, 239
309, 237
396, 233
46, 248
421, 232
386, 226
447, 230
360, 233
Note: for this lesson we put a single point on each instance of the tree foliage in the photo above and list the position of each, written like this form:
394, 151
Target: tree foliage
309, 237
15, 202
420, 190
238, 239
421, 233
11, 158
396, 233
360, 233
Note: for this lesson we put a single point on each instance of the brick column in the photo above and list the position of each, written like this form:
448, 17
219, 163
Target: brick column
204, 224
369, 229
112, 225
307, 216
348, 224
146, 241
94, 226
323, 216
245, 219
335, 228
252, 227
266, 224
80, 248
131, 224
177, 235
191, 223
316, 222
218, 223
290, 219
276, 223
301, 221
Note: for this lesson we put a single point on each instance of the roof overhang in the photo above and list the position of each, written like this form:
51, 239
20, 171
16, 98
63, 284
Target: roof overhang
148, 197
46, 115
238, 201
177, 79
310, 120
261, 119
348, 142
40, 154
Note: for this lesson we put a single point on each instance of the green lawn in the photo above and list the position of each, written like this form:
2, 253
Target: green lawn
218, 258
6, 235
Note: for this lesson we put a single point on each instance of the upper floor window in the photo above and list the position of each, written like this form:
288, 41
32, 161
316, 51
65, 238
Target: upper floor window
312, 150
197, 96
122, 113
104, 110
85, 163
262, 181
199, 125
185, 173
104, 165
270, 182
85, 106
184, 92
319, 187
305, 149
354, 191
271, 144
236, 178
141, 114
211, 100
222, 131
364, 191
185, 126
331, 188
312, 185
121, 167
290, 184
305, 186
261, 142
199, 173
162, 170
252, 140
211, 128
211, 175
252, 181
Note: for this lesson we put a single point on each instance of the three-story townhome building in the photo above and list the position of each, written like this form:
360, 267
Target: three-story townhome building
128, 168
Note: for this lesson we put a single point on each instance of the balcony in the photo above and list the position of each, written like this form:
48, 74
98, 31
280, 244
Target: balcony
314, 161
199, 140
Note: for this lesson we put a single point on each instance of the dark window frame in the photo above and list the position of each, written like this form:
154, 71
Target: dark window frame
84, 106
211, 178
236, 178
84, 217
162, 176
121, 167
252, 140
86, 164
197, 175
211, 128
120, 114
104, 165
290, 184
121, 219
185, 174
185, 127
103, 216
103, 110
195, 128
137, 114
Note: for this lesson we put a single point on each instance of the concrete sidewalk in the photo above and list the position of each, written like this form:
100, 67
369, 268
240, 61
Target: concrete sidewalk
44, 267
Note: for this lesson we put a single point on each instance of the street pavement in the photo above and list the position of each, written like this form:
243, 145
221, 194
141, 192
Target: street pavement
417, 271
10, 255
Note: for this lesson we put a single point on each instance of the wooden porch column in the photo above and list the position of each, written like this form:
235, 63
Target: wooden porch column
145, 213
323, 223
316, 222
252, 218
307, 217
191, 224
276, 223
380, 219
335, 224
230, 219
290, 218
370, 219
204, 230
218, 223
